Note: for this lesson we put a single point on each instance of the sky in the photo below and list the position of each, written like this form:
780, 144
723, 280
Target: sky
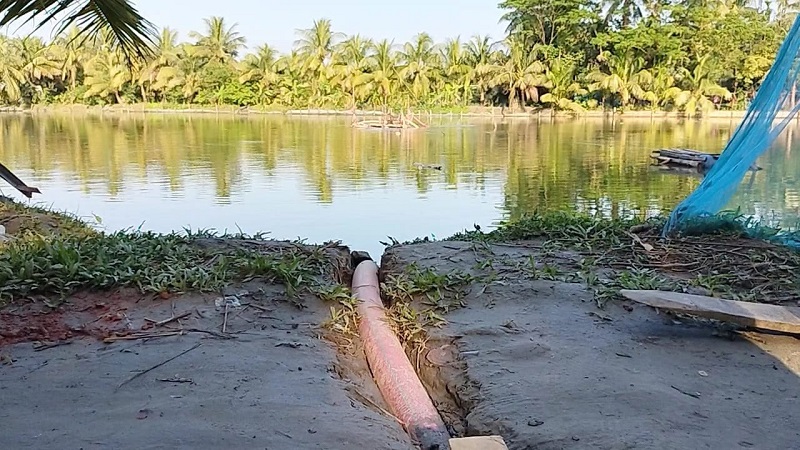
261, 21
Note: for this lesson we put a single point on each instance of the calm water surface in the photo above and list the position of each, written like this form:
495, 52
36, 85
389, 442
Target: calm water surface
319, 179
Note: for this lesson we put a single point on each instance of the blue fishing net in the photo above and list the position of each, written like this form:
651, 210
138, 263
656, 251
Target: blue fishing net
754, 136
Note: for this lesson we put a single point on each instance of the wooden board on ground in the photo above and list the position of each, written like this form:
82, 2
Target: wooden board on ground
478, 443
785, 319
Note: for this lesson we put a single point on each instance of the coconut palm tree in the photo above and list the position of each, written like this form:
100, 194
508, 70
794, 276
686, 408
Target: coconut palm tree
419, 61
520, 75
71, 56
186, 75
261, 68
384, 76
560, 81
318, 42
132, 33
663, 80
352, 63
624, 78
38, 57
480, 49
316, 45
165, 56
106, 76
220, 43
12, 76
481, 52
40, 65
698, 88
293, 85
457, 73
167, 49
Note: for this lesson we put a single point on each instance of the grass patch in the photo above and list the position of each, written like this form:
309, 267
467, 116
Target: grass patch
419, 298
439, 291
728, 254
558, 227
344, 314
21, 219
55, 255
59, 265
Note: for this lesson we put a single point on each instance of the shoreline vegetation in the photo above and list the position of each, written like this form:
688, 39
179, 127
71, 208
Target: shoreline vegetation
51, 255
576, 57
52, 262
54, 266
465, 112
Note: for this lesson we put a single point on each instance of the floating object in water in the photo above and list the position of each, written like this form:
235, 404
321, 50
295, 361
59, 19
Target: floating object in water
682, 158
389, 122
428, 166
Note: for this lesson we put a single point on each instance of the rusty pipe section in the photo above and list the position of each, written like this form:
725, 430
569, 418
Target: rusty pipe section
394, 374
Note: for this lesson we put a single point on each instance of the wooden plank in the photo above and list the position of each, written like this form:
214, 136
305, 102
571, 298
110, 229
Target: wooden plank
785, 319
683, 154
478, 443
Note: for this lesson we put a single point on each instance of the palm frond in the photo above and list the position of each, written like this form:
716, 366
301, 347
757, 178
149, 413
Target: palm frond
133, 33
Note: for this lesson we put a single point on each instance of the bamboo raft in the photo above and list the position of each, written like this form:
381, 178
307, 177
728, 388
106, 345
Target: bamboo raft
389, 122
681, 159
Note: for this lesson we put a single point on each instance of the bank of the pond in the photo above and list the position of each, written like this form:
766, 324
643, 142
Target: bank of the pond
53, 257
465, 112
531, 342
190, 341
514, 332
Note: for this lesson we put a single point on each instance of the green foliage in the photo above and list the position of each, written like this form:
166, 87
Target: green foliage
37, 264
119, 19
442, 291
734, 223
579, 230
563, 54
554, 23
726, 253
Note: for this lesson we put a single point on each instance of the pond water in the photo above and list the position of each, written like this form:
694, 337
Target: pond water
319, 179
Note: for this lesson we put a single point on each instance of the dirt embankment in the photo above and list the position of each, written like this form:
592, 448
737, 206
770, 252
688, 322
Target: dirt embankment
242, 368
533, 358
521, 339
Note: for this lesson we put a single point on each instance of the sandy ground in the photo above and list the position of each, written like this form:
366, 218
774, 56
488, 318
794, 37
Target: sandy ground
540, 364
269, 383
532, 360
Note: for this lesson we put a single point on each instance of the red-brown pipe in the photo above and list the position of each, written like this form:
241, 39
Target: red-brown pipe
393, 372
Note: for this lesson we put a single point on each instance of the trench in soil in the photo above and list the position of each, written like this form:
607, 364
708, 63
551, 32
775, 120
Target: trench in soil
439, 367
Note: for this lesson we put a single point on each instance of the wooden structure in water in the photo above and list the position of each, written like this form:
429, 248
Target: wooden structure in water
391, 122
682, 160
681, 157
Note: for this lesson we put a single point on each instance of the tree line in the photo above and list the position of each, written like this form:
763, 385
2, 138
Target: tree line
691, 56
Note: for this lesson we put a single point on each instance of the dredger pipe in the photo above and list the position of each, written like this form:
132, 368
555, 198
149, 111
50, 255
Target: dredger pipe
394, 374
